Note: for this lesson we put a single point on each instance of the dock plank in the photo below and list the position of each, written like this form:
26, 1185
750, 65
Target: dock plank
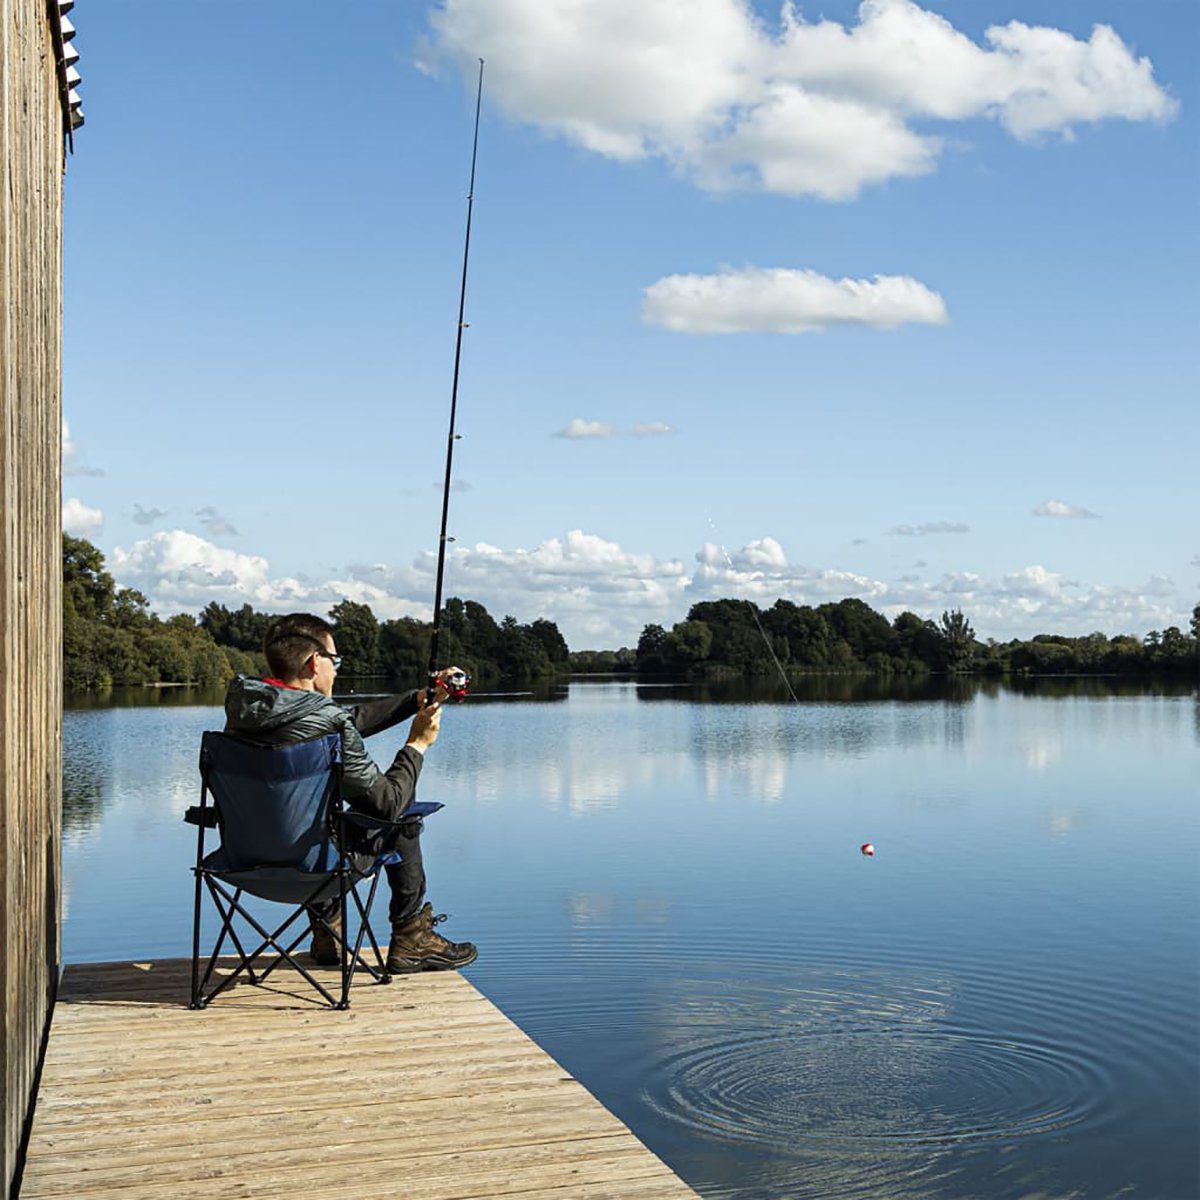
423, 1088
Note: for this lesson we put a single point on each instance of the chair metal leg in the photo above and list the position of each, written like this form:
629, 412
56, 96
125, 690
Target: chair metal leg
196, 942
270, 940
379, 972
291, 946
347, 966
234, 938
214, 957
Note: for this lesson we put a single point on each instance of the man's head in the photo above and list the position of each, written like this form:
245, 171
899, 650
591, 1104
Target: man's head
301, 651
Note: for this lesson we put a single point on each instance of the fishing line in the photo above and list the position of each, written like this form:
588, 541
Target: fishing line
456, 686
754, 613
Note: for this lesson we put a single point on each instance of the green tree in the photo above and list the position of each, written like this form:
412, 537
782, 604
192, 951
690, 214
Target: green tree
864, 630
918, 641
688, 644
130, 610
521, 657
958, 639
241, 628
478, 632
87, 587
545, 634
805, 630
737, 641
357, 636
603, 662
404, 647
650, 657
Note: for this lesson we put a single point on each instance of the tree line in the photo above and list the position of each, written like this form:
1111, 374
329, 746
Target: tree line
722, 638
111, 638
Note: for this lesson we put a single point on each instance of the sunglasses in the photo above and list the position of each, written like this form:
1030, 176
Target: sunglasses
335, 659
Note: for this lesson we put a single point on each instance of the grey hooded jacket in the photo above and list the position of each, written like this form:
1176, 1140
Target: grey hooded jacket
274, 716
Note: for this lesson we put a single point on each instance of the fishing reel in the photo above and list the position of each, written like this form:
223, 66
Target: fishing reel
456, 686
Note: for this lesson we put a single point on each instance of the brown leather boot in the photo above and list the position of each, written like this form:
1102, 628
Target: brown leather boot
326, 950
415, 947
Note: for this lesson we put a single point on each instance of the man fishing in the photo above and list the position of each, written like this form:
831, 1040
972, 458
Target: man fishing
293, 704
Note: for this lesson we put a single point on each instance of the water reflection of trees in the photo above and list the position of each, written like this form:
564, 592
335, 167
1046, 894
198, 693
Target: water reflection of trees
1100, 687
867, 689
145, 697
819, 689
85, 763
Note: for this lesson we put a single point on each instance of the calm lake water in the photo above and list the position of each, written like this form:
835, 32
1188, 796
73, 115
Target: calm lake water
668, 895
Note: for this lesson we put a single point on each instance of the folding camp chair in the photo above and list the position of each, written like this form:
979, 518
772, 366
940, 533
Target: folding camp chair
284, 834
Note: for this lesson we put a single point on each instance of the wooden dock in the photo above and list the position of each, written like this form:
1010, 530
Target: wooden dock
422, 1090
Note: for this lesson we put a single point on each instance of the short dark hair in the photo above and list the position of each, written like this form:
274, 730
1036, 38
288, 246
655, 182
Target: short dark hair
290, 640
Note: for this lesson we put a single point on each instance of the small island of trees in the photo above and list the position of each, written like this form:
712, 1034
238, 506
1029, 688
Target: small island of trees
727, 638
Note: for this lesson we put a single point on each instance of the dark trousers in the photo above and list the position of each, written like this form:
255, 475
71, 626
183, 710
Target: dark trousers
407, 878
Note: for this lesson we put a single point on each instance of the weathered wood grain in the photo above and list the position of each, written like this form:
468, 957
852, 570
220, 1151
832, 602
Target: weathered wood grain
422, 1089
30, 550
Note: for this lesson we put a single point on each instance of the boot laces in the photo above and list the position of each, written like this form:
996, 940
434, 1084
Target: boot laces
443, 943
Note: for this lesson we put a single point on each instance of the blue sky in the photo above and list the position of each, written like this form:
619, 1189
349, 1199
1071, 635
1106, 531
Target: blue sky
264, 222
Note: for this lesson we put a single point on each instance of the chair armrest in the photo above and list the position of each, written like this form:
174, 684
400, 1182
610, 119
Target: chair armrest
196, 815
416, 810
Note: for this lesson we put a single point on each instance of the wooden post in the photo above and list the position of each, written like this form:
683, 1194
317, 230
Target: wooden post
31, 139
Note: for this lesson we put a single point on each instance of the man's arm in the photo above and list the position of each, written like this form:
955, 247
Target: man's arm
384, 794
387, 794
374, 716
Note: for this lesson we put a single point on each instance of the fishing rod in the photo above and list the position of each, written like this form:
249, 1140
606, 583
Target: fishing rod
457, 684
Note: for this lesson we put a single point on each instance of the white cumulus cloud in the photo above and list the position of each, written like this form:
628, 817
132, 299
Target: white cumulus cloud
79, 520
181, 571
601, 594
1060, 508
577, 427
803, 108
1034, 600
177, 569
1020, 603
781, 300
597, 589
760, 571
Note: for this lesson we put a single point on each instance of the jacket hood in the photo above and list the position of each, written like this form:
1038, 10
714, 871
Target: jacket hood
251, 704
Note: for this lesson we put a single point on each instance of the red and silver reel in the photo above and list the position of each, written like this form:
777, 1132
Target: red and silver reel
456, 685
